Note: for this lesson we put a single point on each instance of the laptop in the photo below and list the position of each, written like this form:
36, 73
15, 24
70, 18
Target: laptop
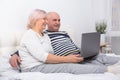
90, 45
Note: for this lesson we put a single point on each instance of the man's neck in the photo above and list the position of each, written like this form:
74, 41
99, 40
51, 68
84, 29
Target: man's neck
51, 31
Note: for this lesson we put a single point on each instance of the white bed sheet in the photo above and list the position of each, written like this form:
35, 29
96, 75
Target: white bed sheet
57, 76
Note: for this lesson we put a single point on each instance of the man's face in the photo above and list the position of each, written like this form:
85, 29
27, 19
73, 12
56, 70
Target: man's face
53, 22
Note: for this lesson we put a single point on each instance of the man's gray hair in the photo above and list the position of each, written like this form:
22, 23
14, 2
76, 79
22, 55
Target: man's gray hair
51, 13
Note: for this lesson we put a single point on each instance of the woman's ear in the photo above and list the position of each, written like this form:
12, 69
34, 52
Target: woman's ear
46, 21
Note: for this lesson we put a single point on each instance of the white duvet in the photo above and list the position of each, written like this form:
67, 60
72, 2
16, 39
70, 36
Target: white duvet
7, 73
57, 76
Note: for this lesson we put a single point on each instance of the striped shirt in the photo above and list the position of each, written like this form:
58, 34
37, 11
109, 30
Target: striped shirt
62, 43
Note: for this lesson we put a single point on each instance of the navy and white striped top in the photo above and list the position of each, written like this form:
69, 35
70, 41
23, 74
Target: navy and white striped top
62, 43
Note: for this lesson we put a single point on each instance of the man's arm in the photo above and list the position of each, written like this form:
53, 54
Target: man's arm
17, 53
15, 60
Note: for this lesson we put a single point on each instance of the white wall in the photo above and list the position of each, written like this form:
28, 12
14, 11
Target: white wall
79, 15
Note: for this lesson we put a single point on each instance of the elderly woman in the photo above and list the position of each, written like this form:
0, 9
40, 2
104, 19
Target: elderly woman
35, 47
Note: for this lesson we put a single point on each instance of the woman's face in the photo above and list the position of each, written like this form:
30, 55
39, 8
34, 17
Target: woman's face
42, 23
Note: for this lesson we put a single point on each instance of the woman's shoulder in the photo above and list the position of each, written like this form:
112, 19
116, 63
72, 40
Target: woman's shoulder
28, 34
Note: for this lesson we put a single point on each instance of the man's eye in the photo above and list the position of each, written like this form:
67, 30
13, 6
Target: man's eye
54, 20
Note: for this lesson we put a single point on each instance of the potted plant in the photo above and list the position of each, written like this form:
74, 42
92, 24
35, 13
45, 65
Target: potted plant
101, 28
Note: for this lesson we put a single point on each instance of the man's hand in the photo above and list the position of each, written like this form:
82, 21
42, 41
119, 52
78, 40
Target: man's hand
15, 61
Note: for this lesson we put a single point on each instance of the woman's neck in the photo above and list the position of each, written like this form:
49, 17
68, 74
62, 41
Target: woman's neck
38, 31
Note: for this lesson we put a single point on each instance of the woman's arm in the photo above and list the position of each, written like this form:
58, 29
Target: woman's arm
64, 59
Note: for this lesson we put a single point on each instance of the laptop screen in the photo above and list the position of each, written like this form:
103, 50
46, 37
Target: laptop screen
90, 44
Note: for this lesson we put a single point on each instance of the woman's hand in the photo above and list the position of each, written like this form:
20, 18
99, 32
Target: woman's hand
74, 58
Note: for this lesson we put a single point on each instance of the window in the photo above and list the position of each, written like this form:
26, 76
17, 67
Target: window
115, 15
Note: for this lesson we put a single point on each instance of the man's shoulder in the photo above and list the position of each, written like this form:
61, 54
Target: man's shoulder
57, 32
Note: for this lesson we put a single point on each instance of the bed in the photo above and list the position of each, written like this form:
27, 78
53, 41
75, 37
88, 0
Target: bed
60, 76
9, 43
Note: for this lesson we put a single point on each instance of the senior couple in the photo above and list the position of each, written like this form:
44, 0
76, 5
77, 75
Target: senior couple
53, 51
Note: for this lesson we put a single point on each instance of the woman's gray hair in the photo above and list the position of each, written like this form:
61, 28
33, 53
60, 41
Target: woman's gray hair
34, 16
